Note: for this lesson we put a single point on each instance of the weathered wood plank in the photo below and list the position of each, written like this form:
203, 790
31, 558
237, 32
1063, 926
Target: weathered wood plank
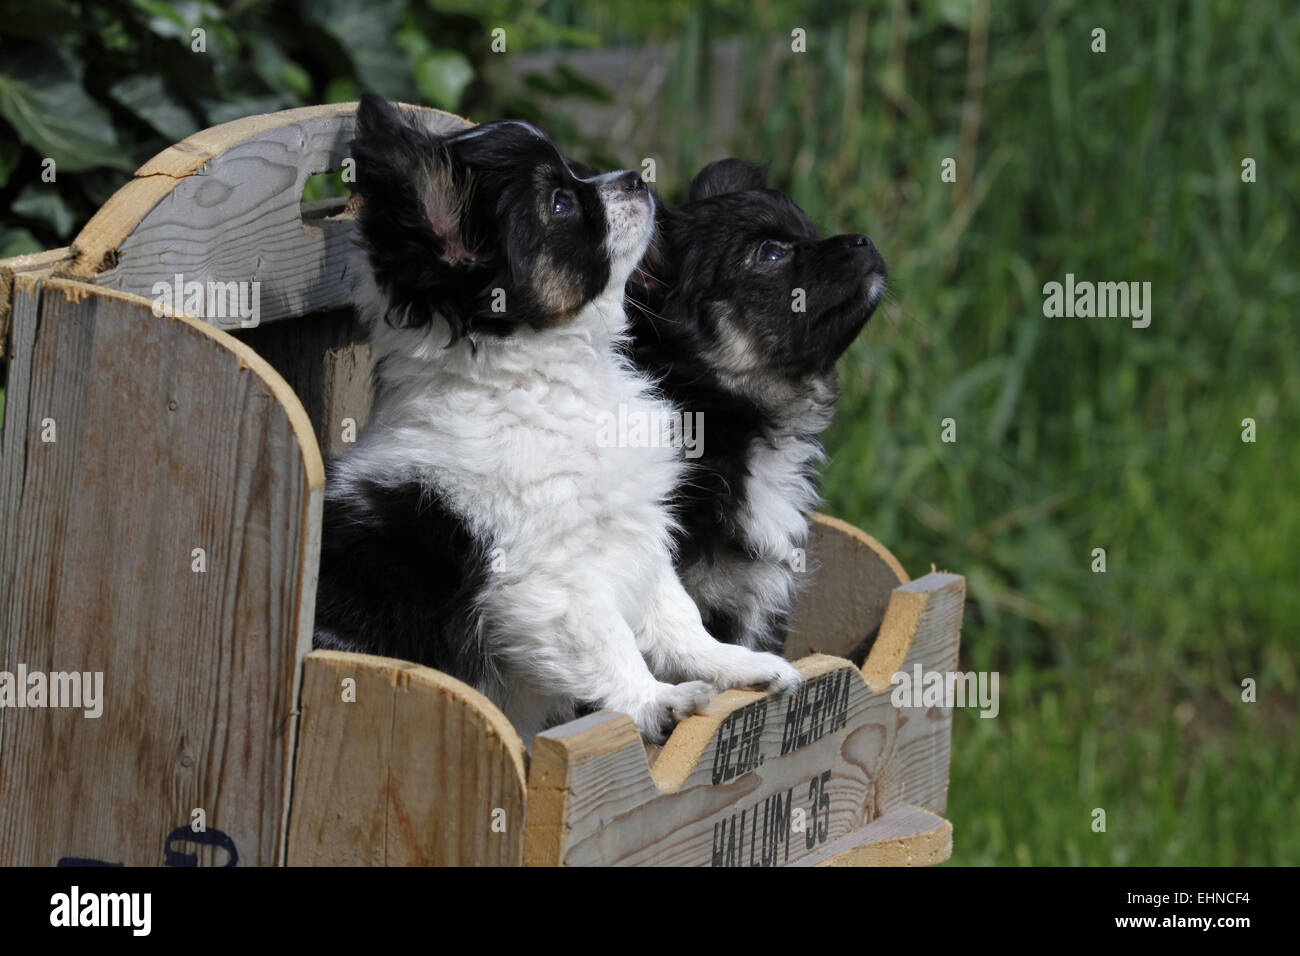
225, 205
13, 453
20, 265
298, 349
853, 576
922, 626
170, 436
349, 395
905, 836
404, 766
730, 784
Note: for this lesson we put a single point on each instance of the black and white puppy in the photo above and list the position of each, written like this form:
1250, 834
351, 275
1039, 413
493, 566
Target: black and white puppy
741, 310
480, 525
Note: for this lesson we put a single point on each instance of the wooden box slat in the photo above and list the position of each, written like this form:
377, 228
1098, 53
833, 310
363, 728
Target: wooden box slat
171, 436
730, 784
415, 769
225, 205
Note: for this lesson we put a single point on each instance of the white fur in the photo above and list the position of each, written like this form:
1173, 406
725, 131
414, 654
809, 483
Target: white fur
583, 603
774, 524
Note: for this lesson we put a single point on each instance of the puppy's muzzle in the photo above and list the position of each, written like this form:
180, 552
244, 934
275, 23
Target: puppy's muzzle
633, 183
860, 245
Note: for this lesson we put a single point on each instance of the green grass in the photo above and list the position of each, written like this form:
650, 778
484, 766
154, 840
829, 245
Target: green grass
1122, 690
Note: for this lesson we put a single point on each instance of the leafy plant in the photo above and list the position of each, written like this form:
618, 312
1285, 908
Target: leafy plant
90, 89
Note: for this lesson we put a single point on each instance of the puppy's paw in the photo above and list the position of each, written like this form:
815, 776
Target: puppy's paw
672, 703
757, 669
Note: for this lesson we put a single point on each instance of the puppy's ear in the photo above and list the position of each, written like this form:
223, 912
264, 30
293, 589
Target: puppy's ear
409, 180
377, 119
444, 196
386, 147
724, 176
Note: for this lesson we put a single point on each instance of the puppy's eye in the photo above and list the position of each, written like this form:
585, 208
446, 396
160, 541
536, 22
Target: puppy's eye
772, 251
562, 202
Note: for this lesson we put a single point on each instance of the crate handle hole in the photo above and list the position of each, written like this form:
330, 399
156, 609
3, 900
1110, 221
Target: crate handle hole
324, 195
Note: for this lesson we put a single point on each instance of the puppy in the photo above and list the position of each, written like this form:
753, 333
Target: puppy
742, 309
480, 525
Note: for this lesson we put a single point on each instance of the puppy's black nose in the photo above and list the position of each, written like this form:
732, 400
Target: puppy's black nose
858, 240
633, 183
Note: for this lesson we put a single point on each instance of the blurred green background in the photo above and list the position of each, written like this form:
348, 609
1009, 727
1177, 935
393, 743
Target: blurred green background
1121, 690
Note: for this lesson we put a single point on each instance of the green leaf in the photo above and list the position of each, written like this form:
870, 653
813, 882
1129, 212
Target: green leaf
366, 34
42, 98
147, 97
278, 71
9, 153
233, 109
17, 242
564, 81
42, 202
164, 19
341, 90
99, 184
40, 20
441, 76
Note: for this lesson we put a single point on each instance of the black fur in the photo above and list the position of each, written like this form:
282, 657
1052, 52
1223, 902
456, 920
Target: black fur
399, 571
487, 229
713, 320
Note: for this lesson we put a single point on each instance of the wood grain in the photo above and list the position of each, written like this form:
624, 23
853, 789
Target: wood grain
349, 394
410, 772
300, 349
905, 836
19, 265
225, 205
170, 436
727, 784
853, 576
26, 299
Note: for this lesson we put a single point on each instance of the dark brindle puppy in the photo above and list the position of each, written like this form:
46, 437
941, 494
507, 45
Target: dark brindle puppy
740, 310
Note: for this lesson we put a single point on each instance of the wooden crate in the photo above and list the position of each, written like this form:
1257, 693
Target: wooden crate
133, 443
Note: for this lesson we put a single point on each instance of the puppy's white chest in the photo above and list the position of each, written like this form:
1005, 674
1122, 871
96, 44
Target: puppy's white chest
599, 433
548, 437
779, 495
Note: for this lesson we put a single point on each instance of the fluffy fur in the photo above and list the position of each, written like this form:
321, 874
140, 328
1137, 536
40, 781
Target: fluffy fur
717, 325
479, 525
